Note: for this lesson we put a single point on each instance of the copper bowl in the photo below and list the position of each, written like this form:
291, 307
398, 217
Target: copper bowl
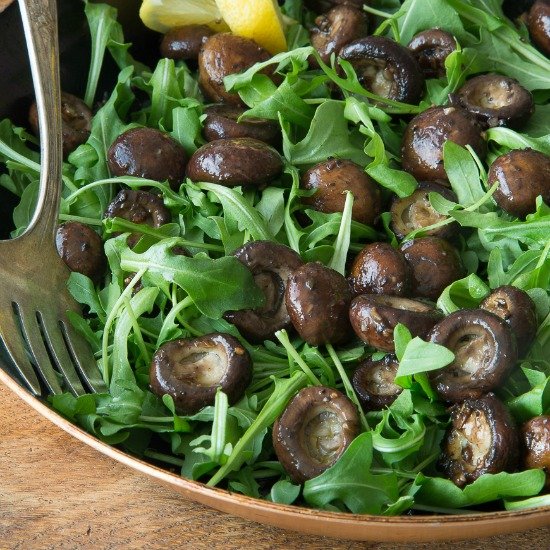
16, 97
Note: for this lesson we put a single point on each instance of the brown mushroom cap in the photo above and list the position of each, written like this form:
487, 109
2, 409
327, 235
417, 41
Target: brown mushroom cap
426, 134
322, 6
185, 42
332, 179
271, 264
374, 317
482, 439
237, 161
316, 427
380, 269
523, 175
431, 48
536, 441
485, 353
224, 54
192, 369
538, 22
385, 68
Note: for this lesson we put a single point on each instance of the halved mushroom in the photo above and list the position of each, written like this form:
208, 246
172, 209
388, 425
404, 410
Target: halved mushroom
538, 22
485, 353
523, 175
380, 269
336, 28
536, 441
317, 299
385, 68
374, 316
415, 212
496, 100
516, 308
431, 48
192, 369
426, 133
314, 430
482, 439
237, 161
185, 42
271, 264
374, 382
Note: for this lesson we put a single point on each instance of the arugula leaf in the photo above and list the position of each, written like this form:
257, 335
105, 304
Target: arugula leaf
420, 356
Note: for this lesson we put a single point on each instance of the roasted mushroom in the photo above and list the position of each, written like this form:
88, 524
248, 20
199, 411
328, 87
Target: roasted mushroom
222, 122
271, 264
224, 54
332, 179
415, 212
538, 22
374, 382
192, 369
81, 248
482, 439
536, 441
147, 153
76, 122
237, 161
317, 299
516, 308
523, 175
185, 42
426, 134
496, 100
336, 28
374, 316
430, 49
385, 68
435, 264
314, 430
484, 349
380, 269
322, 6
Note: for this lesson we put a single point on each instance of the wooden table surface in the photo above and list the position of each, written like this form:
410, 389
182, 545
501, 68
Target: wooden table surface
55, 492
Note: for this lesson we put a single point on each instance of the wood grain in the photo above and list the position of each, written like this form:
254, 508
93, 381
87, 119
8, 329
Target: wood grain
58, 493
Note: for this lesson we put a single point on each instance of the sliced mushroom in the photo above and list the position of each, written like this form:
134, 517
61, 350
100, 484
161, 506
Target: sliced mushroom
192, 369
523, 175
385, 68
516, 308
426, 134
317, 299
484, 349
430, 49
482, 439
336, 28
271, 264
316, 427
237, 161
332, 179
536, 441
148, 153
380, 269
496, 100
435, 265
374, 382
222, 122
185, 42
538, 22
374, 316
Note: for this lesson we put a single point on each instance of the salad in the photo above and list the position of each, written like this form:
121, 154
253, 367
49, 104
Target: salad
316, 272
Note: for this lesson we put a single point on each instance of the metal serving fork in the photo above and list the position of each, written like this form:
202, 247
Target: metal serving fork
49, 356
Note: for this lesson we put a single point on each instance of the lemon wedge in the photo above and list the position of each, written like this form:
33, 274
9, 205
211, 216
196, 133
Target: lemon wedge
163, 15
260, 20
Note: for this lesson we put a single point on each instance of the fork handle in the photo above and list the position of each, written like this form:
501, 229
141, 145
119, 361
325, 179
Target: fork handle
40, 26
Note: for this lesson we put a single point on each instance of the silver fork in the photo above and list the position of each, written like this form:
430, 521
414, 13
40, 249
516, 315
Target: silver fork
48, 354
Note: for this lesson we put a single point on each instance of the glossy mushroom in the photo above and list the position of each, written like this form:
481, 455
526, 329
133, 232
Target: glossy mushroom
271, 264
374, 382
316, 427
385, 68
482, 439
538, 22
192, 369
431, 48
185, 42
522, 175
484, 349
536, 442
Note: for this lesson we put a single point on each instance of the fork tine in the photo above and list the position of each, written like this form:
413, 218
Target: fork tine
83, 357
11, 338
56, 343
